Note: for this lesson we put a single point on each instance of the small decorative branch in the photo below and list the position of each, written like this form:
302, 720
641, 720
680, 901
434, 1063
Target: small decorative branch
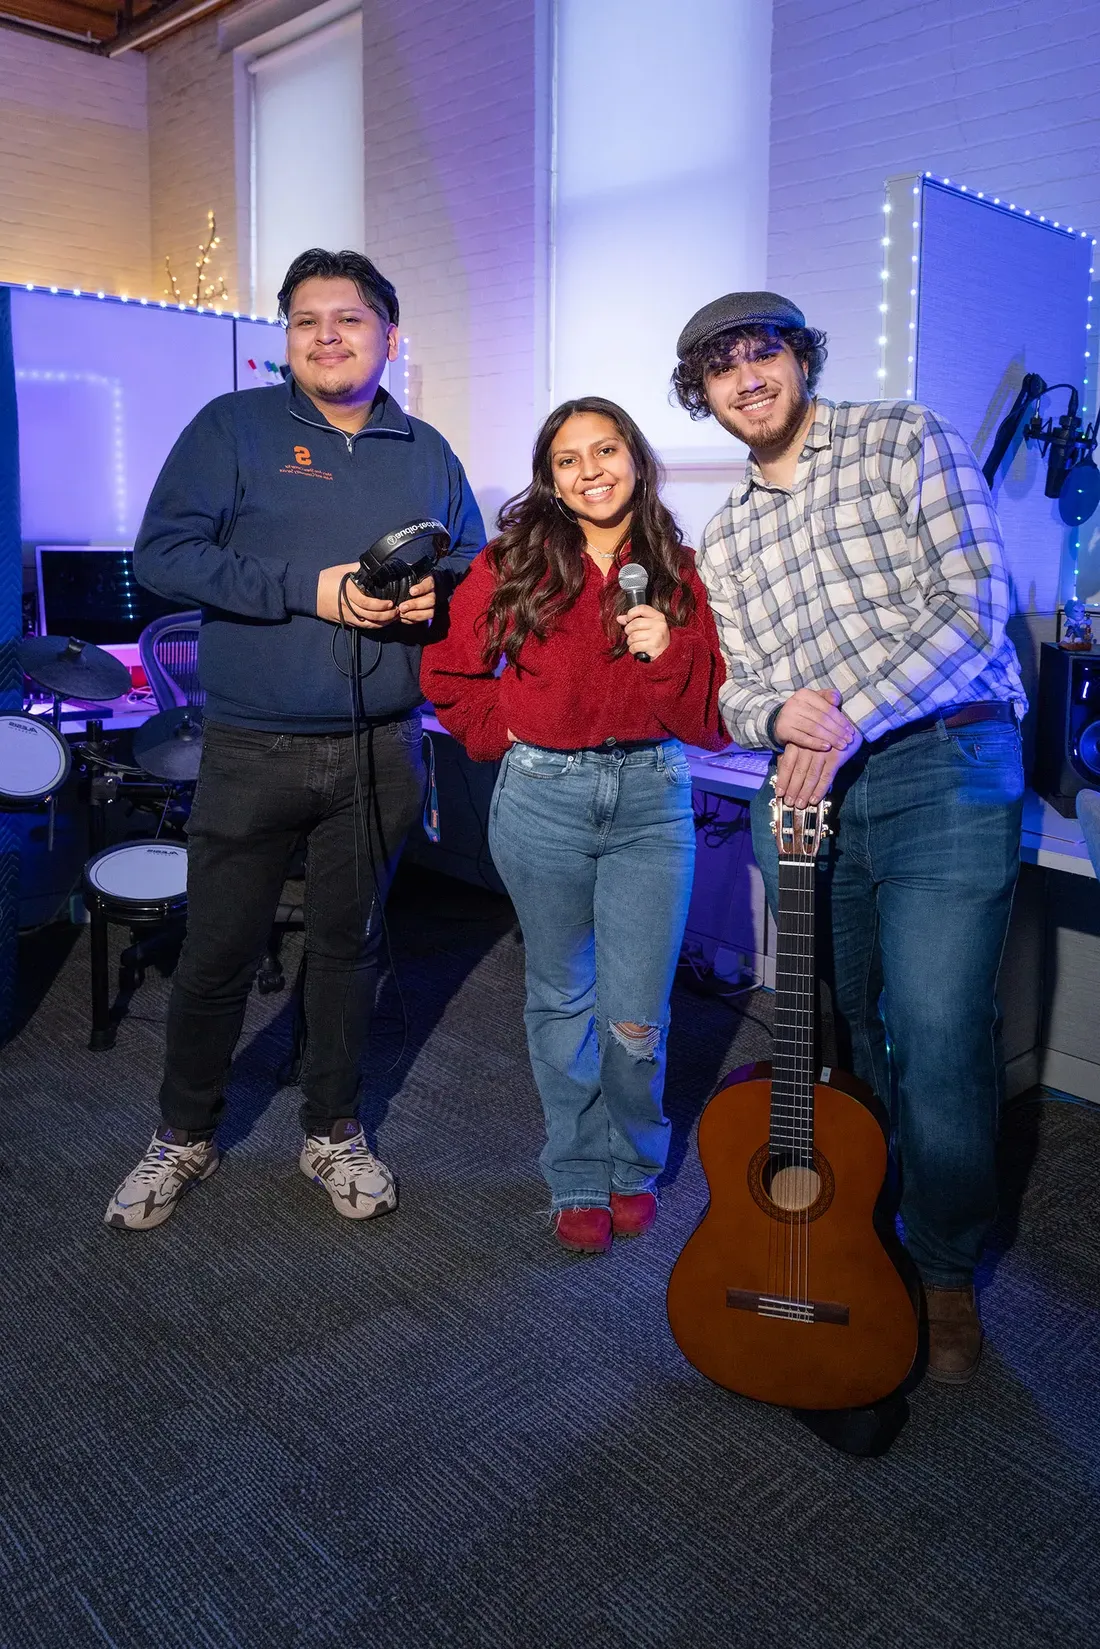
174, 290
208, 289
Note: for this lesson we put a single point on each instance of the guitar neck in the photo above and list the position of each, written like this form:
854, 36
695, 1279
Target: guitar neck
792, 1104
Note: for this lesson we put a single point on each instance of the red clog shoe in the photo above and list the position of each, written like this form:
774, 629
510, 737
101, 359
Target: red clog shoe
583, 1230
634, 1215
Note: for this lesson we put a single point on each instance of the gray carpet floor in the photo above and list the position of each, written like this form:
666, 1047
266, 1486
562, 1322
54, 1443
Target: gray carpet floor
264, 1426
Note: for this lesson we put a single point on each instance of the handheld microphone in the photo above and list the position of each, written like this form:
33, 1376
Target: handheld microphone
634, 581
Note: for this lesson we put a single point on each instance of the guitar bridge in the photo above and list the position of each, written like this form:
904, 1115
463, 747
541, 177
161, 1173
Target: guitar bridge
780, 1305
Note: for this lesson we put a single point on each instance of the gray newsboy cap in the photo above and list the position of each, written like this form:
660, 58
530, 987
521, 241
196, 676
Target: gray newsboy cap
737, 309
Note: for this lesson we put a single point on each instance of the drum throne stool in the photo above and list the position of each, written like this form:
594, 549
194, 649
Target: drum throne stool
142, 885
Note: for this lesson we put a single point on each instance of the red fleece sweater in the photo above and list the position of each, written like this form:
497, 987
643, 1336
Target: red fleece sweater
569, 693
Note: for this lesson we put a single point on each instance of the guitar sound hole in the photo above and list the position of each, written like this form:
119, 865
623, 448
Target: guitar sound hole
788, 1189
792, 1186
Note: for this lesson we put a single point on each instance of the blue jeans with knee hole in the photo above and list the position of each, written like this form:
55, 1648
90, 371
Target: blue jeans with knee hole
597, 850
918, 882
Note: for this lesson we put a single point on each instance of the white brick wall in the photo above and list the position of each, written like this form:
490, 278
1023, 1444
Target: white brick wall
1000, 94
191, 156
452, 214
74, 167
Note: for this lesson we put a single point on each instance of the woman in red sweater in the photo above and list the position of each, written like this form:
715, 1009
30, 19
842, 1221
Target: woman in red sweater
591, 822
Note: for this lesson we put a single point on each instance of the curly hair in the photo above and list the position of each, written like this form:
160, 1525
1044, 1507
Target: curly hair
689, 381
538, 560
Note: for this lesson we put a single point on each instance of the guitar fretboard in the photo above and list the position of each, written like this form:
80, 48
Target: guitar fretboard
792, 1107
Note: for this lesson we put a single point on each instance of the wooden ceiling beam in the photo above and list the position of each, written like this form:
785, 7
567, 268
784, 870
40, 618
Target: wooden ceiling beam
86, 21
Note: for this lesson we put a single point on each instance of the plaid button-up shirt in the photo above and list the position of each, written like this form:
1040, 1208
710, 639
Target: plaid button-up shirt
880, 573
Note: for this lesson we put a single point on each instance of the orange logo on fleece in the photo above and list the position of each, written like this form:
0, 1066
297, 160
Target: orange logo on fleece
303, 461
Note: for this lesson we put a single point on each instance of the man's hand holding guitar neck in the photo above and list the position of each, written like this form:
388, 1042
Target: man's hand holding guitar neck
817, 739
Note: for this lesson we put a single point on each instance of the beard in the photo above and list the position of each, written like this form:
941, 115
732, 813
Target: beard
774, 435
334, 389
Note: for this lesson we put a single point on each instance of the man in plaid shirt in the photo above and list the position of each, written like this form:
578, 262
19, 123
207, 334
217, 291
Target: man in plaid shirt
857, 579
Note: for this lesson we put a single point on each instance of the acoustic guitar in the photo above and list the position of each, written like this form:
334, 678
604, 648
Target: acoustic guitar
794, 1289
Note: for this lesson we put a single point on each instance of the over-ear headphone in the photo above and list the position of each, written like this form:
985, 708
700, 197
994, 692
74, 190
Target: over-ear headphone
400, 559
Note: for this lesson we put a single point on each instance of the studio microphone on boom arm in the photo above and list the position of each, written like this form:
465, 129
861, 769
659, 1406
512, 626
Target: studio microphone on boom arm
1072, 476
1065, 437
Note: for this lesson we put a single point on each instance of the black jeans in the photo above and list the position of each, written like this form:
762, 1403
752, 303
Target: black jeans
257, 795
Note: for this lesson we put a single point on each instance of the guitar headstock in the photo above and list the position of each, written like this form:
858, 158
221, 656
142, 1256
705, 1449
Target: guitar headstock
799, 831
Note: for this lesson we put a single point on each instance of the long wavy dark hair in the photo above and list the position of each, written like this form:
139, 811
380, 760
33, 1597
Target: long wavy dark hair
538, 560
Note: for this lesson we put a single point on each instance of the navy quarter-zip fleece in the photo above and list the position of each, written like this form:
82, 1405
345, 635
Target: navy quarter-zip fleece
260, 494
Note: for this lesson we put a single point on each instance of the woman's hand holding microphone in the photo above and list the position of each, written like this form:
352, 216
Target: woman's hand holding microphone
646, 631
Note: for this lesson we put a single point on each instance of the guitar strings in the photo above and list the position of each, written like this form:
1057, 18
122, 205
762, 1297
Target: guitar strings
806, 1095
796, 1077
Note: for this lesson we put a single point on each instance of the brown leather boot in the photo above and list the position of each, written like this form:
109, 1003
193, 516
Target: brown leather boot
954, 1334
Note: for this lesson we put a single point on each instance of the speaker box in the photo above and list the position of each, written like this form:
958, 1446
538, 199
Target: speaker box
1067, 733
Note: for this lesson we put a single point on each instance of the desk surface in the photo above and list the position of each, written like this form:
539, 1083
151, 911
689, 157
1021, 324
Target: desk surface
1045, 839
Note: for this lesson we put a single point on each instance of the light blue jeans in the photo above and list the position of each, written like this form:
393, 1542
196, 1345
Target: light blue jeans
597, 850
918, 882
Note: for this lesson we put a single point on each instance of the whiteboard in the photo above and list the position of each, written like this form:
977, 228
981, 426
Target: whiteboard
980, 294
260, 352
103, 390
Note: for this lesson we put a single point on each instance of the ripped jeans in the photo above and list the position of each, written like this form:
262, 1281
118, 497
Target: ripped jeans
597, 850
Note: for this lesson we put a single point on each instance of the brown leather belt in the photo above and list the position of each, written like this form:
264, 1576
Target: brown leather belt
952, 716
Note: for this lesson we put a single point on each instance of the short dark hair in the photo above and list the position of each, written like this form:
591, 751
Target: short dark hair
375, 290
689, 381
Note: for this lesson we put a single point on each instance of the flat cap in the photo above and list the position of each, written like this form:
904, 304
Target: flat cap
737, 309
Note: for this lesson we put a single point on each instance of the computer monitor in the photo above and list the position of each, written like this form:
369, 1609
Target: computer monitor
90, 591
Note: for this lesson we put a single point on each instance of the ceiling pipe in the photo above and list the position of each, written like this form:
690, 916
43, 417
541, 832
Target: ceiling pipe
167, 22
60, 37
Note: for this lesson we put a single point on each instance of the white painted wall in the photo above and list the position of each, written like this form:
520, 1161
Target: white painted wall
455, 216
74, 167
1000, 95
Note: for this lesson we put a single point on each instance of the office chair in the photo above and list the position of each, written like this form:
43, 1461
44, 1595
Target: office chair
169, 653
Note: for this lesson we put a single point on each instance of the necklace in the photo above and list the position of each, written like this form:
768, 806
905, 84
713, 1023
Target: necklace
608, 555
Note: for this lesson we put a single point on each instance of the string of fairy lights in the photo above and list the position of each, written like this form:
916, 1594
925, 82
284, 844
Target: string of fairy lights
217, 311
901, 276
890, 242
153, 303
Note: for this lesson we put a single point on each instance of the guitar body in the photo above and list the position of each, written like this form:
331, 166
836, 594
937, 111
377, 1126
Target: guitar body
795, 1290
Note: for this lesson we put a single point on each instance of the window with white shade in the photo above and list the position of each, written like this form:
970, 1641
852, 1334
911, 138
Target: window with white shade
307, 151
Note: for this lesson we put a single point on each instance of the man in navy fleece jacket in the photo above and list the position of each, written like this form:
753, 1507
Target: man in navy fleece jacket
267, 500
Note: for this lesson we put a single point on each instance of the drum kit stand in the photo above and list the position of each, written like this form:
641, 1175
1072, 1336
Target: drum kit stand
141, 884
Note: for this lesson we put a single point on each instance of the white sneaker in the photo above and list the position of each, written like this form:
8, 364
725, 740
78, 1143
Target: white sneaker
148, 1195
360, 1186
